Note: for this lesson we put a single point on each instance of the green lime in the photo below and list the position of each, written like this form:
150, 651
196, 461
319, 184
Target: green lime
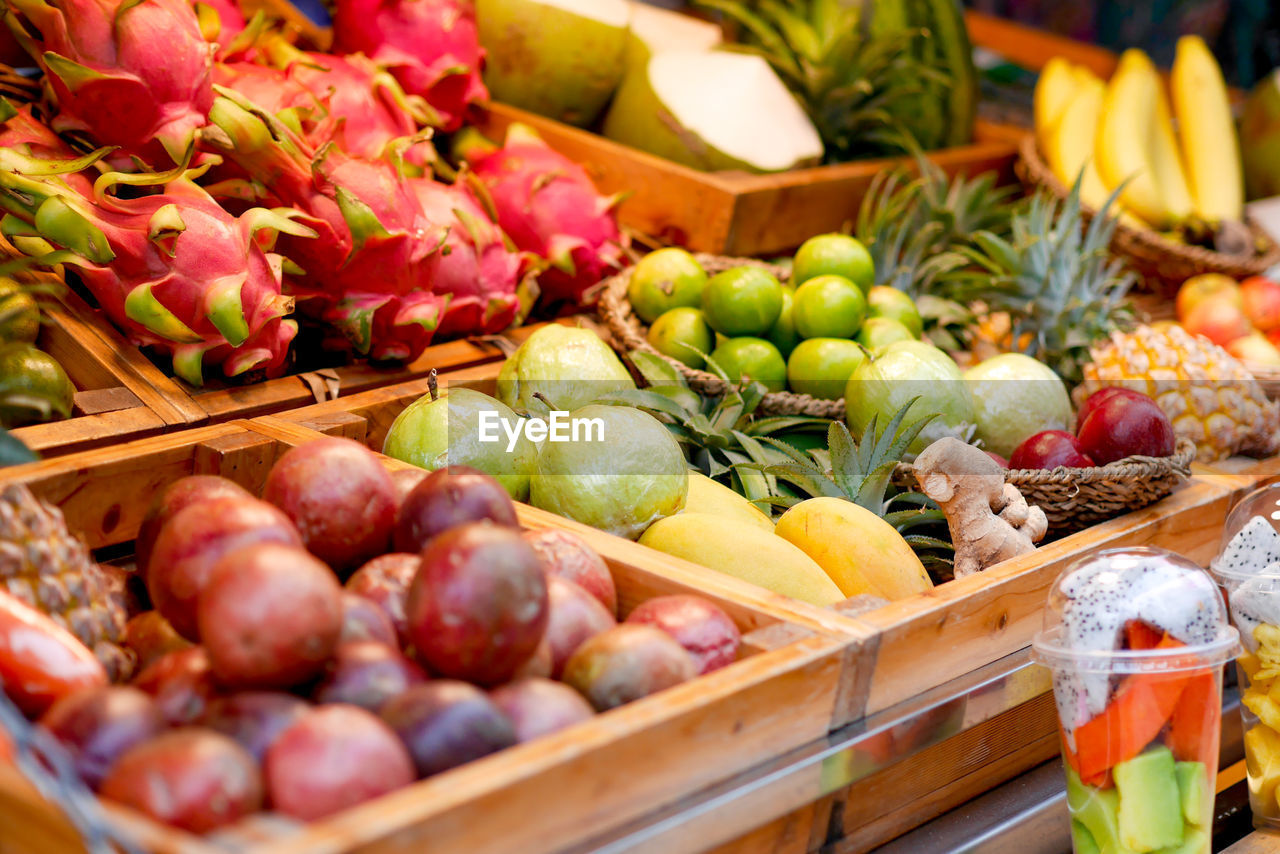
19, 314
828, 307
885, 301
783, 332
33, 386
752, 358
683, 334
880, 332
834, 254
821, 367
742, 301
663, 280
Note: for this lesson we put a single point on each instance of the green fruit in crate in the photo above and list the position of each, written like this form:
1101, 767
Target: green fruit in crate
683, 334
620, 477
783, 333
879, 332
829, 306
834, 255
713, 110
752, 358
33, 387
464, 427
1015, 397
911, 369
742, 301
1260, 138
570, 367
19, 314
886, 301
663, 280
558, 58
821, 367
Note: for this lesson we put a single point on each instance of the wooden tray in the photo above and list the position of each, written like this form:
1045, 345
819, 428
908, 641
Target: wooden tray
541, 796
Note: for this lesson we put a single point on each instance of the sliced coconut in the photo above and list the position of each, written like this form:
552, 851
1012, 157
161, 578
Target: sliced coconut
657, 30
558, 58
713, 110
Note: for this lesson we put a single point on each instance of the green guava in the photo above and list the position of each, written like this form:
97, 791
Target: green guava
569, 367
911, 369
1016, 396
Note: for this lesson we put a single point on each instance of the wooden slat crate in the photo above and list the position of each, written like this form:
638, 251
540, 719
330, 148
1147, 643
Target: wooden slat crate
541, 796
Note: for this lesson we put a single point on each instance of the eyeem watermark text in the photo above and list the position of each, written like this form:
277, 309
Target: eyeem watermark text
558, 426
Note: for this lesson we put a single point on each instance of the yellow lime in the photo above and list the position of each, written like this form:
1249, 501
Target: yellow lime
683, 334
884, 301
752, 358
663, 280
828, 307
821, 367
33, 386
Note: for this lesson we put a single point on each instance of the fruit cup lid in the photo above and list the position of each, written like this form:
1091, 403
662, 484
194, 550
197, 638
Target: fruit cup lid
1250, 539
1135, 610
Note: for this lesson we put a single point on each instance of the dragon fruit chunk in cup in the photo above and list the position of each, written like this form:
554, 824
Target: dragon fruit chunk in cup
1136, 639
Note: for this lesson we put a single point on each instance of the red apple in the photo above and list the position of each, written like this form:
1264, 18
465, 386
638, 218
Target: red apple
1255, 349
999, 460
1124, 426
1049, 449
1218, 320
1261, 297
1211, 286
1102, 396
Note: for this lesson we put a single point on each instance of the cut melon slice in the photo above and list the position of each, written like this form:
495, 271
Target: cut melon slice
713, 110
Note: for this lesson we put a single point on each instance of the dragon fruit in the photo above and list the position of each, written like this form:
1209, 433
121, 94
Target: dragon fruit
1256, 602
1112, 589
1254, 547
479, 270
370, 271
548, 206
430, 46
220, 21
173, 270
131, 73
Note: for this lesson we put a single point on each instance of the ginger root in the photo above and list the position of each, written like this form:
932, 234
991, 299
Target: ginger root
989, 519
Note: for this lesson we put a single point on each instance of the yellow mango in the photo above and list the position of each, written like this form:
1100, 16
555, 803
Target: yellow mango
1248, 663
860, 551
1262, 761
743, 551
1263, 708
707, 496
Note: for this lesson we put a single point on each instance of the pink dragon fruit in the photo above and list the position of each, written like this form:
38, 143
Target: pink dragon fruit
479, 270
173, 270
430, 46
220, 21
131, 73
370, 271
548, 206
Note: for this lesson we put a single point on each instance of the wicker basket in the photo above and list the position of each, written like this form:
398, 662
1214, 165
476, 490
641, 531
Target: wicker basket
1073, 499
1164, 264
629, 333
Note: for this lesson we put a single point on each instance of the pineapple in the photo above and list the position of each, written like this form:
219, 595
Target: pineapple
1210, 397
47, 567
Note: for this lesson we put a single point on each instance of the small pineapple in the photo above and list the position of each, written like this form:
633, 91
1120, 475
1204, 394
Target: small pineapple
1209, 396
47, 567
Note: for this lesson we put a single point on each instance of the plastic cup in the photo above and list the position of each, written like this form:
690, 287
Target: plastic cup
1139, 726
1253, 597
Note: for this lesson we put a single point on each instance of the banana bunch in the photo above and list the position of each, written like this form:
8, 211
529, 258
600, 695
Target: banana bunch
1121, 133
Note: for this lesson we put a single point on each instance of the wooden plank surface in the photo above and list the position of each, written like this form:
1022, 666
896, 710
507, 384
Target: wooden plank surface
1032, 48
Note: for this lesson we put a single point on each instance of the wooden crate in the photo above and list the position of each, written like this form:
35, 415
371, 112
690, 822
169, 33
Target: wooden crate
541, 796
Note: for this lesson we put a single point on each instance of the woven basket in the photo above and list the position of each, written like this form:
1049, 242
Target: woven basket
1073, 499
630, 334
1163, 263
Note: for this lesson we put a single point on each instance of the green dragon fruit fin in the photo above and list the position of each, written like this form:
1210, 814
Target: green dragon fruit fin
74, 75
210, 22
188, 363
142, 307
560, 253
62, 224
470, 144
225, 309
360, 218
474, 229
279, 220
610, 203
12, 226
520, 133
7, 110
249, 36
164, 227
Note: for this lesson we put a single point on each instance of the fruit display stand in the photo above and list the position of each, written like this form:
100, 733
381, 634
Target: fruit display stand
941, 691
541, 796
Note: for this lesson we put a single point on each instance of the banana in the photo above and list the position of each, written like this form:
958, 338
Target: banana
1069, 146
1171, 173
1125, 144
1209, 142
1057, 83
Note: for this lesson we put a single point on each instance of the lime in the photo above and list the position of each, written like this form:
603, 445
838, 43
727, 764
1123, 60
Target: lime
683, 334
19, 314
828, 307
821, 367
783, 332
752, 358
742, 301
663, 280
834, 254
880, 332
884, 301
33, 386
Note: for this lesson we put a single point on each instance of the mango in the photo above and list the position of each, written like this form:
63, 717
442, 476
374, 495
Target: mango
743, 551
707, 496
861, 552
1262, 761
